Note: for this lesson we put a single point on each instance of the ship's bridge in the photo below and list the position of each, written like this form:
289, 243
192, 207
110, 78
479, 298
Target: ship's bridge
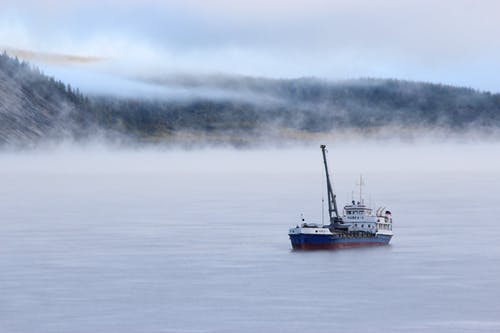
358, 217
357, 209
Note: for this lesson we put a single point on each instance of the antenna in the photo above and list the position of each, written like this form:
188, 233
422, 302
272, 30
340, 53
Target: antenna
361, 183
322, 210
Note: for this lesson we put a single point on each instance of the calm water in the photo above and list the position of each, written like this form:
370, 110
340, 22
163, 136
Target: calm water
144, 241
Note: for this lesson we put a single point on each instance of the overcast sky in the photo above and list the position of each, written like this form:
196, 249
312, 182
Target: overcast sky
447, 41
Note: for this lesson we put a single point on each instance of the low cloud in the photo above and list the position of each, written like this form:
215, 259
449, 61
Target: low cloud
51, 58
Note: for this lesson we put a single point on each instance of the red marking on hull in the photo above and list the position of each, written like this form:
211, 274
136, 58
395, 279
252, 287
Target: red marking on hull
334, 245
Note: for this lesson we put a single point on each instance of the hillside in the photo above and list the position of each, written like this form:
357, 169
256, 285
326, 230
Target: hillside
253, 109
34, 107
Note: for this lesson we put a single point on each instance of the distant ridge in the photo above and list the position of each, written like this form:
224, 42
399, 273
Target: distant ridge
35, 108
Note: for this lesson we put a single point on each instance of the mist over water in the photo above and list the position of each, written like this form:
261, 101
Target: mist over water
95, 240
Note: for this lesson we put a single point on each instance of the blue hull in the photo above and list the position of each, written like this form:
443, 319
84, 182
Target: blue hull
315, 242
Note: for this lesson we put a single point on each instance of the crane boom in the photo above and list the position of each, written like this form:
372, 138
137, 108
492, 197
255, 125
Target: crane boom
333, 212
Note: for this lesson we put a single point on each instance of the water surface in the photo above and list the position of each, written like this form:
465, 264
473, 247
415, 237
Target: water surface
172, 241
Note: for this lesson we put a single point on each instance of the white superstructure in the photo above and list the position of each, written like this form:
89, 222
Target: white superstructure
359, 217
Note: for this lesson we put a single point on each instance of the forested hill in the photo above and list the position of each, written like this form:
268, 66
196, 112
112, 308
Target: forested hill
34, 107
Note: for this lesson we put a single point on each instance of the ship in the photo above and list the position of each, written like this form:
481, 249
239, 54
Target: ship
358, 225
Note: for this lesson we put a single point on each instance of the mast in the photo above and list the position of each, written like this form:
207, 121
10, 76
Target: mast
361, 183
333, 212
322, 211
